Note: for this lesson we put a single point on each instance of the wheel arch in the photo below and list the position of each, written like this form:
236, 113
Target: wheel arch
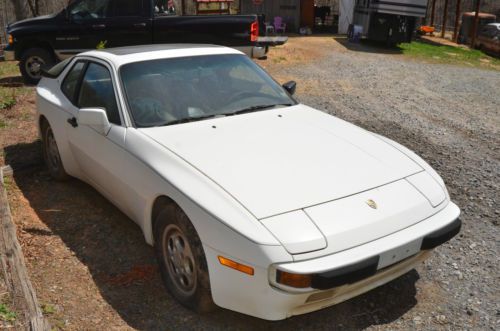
41, 121
159, 203
33, 43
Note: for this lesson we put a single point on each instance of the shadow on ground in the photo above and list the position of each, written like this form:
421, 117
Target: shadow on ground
14, 81
367, 46
109, 244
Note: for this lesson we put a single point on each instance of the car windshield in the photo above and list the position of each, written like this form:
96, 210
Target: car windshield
178, 90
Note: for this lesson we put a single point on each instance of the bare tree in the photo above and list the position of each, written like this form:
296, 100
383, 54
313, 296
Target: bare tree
21, 9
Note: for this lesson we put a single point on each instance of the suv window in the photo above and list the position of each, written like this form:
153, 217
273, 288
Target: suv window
89, 9
97, 92
70, 82
123, 8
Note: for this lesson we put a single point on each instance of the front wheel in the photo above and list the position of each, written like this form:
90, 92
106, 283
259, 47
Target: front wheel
182, 261
32, 62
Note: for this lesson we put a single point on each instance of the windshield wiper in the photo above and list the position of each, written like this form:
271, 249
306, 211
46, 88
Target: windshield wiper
256, 108
192, 119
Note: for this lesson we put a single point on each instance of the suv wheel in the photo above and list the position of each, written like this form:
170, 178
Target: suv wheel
32, 62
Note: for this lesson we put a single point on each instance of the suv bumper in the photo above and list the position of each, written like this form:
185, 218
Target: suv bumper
253, 51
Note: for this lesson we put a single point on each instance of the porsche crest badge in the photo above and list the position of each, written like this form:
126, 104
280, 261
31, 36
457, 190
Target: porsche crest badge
371, 203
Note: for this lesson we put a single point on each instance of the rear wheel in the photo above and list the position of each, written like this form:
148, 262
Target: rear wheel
51, 155
32, 62
182, 261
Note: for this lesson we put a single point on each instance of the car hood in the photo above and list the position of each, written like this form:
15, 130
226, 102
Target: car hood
33, 22
285, 159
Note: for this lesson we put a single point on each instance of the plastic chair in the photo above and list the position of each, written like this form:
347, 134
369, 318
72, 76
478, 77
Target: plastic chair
278, 24
269, 27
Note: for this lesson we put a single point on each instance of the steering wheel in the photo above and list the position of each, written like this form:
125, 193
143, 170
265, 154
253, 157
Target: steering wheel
148, 111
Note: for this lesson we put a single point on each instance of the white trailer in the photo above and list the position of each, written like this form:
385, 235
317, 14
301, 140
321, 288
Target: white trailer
390, 21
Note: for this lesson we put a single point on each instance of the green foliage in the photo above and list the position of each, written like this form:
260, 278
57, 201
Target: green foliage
6, 101
449, 54
48, 309
6, 314
101, 44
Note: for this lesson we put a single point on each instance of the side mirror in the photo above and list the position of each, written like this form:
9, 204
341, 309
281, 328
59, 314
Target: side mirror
96, 118
290, 86
45, 72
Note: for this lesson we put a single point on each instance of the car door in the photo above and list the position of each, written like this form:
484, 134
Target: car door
100, 157
129, 23
84, 27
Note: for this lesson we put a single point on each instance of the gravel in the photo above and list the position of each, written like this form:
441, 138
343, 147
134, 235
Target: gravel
450, 116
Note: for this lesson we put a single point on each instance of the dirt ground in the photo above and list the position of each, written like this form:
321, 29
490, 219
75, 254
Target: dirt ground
92, 269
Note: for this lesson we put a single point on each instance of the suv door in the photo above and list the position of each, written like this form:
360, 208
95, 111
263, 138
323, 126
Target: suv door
129, 23
85, 27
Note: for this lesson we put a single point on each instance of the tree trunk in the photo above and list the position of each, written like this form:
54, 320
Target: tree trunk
21, 9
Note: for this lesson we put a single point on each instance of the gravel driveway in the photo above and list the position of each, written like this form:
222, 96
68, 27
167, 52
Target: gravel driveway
90, 264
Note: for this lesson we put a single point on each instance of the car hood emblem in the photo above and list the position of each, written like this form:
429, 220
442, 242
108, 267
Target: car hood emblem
371, 203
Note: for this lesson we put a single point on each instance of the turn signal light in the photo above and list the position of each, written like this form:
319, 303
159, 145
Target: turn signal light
254, 31
293, 280
11, 39
235, 265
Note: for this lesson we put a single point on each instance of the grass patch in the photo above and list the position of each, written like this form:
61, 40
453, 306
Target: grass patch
449, 54
48, 309
7, 98
6, 314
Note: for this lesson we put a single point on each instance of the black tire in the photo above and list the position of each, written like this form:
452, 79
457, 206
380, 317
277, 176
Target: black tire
31, 63
51, 155
189, 284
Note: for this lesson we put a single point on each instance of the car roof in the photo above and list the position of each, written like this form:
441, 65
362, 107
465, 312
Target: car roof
123, 55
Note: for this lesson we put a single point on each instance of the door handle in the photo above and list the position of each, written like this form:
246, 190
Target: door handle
98, 26
72, 121
139, 25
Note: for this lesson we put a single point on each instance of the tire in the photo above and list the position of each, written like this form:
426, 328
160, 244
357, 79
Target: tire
51, 155
182, 261
32, 62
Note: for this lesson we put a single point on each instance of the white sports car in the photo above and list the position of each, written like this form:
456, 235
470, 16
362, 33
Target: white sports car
252, 201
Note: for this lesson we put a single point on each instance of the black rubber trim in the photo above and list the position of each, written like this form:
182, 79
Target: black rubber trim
442, 235
345, 275
366, 268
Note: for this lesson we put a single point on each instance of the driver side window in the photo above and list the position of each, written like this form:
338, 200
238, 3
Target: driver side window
89, 9
97, 91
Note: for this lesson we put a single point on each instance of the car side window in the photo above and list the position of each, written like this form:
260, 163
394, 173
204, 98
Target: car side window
164, 7
70, 82
97, 92
124, 8
89, 9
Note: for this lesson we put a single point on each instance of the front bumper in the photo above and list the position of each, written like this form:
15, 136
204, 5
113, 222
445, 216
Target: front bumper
259, 296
